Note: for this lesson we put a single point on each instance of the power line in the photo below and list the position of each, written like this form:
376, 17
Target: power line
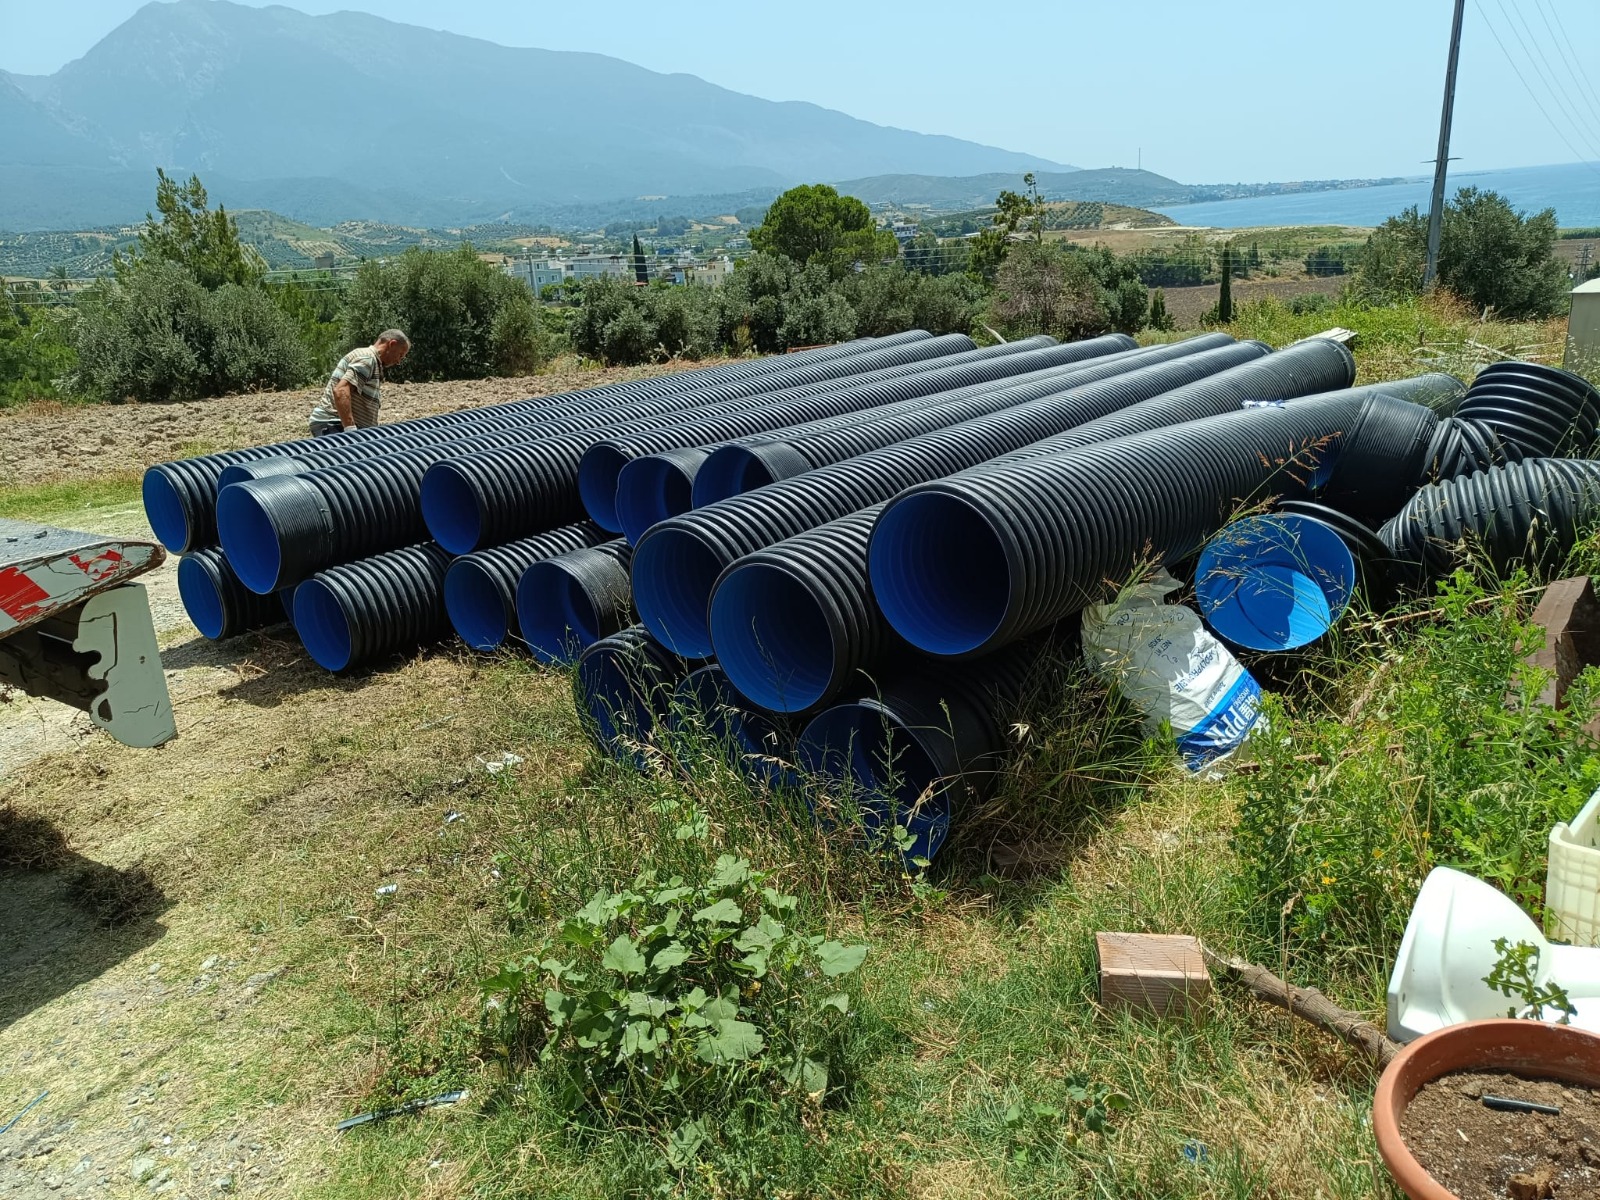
1569, 55
1532, 95
1545, 75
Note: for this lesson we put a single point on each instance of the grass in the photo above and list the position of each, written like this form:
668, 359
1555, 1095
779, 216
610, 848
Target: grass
75, 500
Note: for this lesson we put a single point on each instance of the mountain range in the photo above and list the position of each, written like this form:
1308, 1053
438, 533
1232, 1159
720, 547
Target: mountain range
351, 116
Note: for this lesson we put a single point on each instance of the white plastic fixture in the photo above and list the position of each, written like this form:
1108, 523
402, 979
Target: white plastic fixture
1572, 880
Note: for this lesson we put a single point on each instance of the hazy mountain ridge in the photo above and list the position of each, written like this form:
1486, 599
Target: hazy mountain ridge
436, 127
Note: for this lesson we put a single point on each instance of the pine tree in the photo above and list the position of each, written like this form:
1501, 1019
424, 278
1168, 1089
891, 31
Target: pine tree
1225, 297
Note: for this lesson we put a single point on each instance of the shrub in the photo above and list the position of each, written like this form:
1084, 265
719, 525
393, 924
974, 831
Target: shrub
1310, 302
36, 355
1067, 292
448, 303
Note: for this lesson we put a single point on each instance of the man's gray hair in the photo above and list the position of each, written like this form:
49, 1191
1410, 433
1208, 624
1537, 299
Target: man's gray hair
395, 335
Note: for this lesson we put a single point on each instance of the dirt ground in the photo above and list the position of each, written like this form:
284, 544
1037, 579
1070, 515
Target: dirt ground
1188, 304
46, 443
168, 1062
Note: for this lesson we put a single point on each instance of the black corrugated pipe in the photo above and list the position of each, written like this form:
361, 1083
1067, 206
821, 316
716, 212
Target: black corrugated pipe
758, 744
678, 562
963, 566
1544, 411
357, 611
480, 589
217, 603
927, 744
795, 624
482, 498
661, 486
180, 496
623, 688
1379, 460
1528, 512
1369, 552
749, 463
651, 475
571, 601
1463, 445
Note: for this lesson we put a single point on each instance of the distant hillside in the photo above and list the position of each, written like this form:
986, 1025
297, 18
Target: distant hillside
1115, 185
416, 125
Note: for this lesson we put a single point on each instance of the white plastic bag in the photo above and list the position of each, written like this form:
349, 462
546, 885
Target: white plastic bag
1173, 670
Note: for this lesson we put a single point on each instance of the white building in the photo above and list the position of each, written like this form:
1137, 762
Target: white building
538, 274
713, 274
593, 266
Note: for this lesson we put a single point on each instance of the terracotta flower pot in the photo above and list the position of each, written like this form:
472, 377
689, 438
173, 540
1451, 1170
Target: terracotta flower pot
1532, 1048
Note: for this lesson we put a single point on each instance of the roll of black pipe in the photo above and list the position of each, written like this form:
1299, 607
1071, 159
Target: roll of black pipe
796, 624
1463, 445
482, 498
661, 487
966, 565
217, 603
1527, 513
1544, 410
570, 601
915, 753
742, 466
480, 589
678, 562
758, 744
353, 613
623, 688
180, 496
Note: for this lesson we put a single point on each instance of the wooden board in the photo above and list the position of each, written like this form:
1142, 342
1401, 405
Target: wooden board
1157, 973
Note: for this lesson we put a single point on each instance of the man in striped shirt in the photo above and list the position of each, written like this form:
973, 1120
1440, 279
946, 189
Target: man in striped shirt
352, 396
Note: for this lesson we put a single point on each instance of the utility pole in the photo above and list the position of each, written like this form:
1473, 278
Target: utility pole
1442, 163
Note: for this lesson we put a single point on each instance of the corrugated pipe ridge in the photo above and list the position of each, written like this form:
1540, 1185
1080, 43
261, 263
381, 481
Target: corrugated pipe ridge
180, 496
217, 603
759, 744
568, 602
623, 687
678, 561
480, 589
358, 611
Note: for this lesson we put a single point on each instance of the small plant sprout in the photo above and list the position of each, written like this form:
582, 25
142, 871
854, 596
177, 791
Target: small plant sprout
1514, 974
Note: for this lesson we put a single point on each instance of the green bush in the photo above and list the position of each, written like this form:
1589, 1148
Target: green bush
36, 355
315, 306
450, 303
155, 334
1067, 292
622, 324
1310, 302
890, 299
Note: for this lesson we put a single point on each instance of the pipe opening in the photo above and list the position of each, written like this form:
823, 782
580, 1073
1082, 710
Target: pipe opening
450, 509
772, 638
163, 507
557, 614
201, 593
729, 471
650, 490
613, 697
476, 606
323, 627
250, 539
939, 573
673, 575
598, 472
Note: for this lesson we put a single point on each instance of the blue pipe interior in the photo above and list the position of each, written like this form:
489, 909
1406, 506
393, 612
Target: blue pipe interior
163, 508
598, 472
728, 471
939, 572
201, 598
752, 737
771, 638
450, 509
673, 574
555, 612
286, 598
249, 539
324, 629
885, 769
613, 700
650, 489
476, 607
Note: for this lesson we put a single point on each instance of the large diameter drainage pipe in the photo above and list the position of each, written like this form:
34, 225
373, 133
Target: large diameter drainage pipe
480, 589
744, 465
1543, 411
217, 603
180, 496
677, 563
915, 752
663, 487
623, 688
569, 602
1528, 512
966, 565
758, 744
358, 611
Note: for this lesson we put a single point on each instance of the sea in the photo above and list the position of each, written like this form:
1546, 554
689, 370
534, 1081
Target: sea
1572, 189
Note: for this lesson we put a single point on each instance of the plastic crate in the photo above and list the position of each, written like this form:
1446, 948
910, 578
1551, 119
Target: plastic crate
1572, 880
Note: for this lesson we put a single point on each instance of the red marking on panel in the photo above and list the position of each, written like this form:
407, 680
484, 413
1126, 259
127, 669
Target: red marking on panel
20, 597
100, 566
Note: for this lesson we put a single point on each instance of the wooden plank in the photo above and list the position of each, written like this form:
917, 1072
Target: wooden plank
1161, 974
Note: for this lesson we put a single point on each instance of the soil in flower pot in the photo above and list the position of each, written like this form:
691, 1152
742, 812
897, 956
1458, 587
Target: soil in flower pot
1483, 1154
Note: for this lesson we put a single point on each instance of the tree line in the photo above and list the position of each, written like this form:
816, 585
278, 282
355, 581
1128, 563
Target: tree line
188, 312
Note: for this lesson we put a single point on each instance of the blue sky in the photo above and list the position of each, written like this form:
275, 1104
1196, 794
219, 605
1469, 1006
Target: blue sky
1208, 90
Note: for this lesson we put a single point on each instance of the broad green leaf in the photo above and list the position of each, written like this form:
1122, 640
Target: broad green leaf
670, 895
731, 1041
1117, 1102
729, 872
560, 1006
673, 954
724, 1007
580, 934
596, 911
838, 1000
755, 962
623, 957
694, 1001
813, 1076
835, 958
778, 902
640, 1037
595, 1029
723, 912
641, 1004
683, 1144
